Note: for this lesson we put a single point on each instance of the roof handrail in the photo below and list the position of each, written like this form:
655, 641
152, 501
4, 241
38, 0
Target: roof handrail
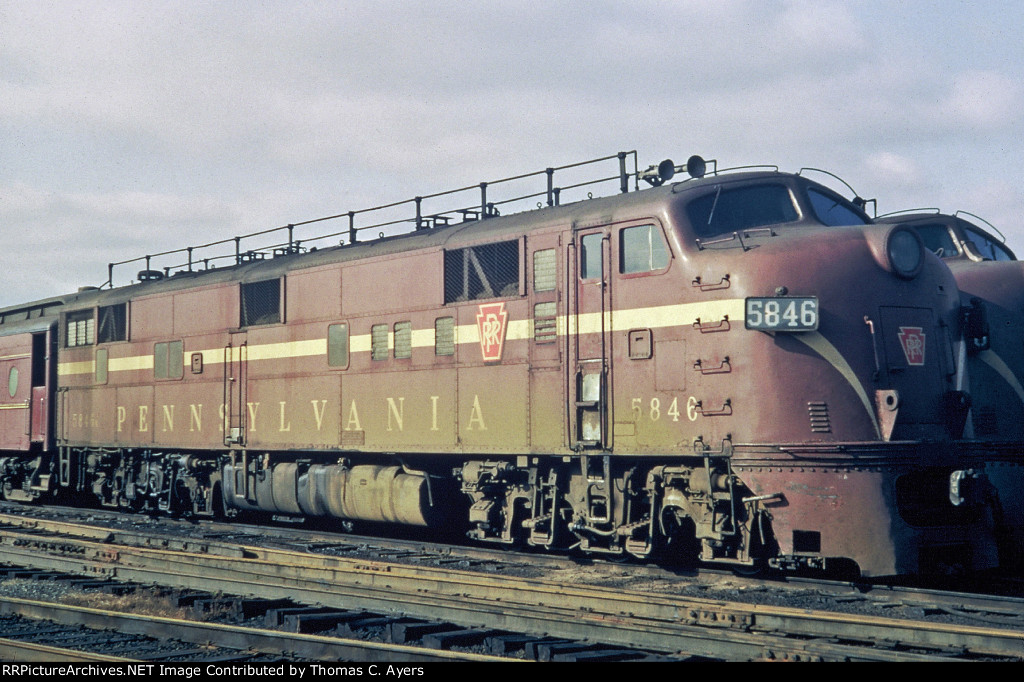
486, 208
1001, 236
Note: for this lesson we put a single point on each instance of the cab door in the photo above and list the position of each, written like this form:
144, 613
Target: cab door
15, 401
44, 346
236, 358
589, 339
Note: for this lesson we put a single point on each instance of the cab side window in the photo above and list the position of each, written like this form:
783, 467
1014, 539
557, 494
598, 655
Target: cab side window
642, 249
591, 262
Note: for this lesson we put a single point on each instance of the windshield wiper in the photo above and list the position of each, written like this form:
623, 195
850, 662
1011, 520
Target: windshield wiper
711, 215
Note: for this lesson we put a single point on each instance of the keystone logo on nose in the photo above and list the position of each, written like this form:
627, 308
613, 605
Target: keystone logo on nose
912, 340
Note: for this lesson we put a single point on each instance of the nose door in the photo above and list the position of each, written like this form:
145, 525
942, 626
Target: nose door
917, 362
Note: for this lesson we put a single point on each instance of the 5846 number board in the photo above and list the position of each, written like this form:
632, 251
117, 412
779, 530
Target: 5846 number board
782, 314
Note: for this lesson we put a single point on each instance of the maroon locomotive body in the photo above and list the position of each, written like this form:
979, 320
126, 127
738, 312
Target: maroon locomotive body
991, 283
733, 367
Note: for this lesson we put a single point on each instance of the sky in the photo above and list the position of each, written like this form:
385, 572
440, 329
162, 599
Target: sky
133, 127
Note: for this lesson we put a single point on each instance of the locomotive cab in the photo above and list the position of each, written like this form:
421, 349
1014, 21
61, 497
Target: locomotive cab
854, 336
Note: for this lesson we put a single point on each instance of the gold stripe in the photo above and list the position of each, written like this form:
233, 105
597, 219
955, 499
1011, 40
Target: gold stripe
680, 314
360, 344
83, 367
286, 349
266, 351
423, 338
683, 314
19, 406
132, 363
993, 360
820, 345
17, 356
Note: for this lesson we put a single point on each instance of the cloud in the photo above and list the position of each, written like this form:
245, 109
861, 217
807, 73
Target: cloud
816, 28
195, 120
893, 170
76, 234
978, 99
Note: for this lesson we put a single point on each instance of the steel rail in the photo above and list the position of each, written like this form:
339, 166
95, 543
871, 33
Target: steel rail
31, 652
984, 608
235, 637
658, 622
288, 537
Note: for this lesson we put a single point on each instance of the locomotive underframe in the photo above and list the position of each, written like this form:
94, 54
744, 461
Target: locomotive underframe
596, 503
732, 509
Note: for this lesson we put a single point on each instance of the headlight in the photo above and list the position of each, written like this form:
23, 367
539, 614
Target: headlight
905, 251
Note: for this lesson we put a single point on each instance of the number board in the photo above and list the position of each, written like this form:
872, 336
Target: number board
782, 314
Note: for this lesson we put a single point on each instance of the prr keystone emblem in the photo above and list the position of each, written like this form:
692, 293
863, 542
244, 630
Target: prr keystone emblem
491, 322
912, 340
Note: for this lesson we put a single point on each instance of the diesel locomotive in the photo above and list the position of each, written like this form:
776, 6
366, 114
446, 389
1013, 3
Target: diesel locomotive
737, 367
991, 283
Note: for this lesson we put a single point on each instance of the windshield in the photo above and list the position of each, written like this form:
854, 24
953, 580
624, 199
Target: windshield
741, 208
989, 248
938, 240
834, 211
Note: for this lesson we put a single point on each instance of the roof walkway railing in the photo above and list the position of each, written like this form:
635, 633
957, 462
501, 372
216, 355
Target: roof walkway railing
283, 239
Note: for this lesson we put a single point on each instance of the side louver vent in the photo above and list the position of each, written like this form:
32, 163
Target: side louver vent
818, 412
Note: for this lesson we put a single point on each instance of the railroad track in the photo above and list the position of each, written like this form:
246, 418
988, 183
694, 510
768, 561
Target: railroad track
613, 617
39, 631
996, 608
417, 640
